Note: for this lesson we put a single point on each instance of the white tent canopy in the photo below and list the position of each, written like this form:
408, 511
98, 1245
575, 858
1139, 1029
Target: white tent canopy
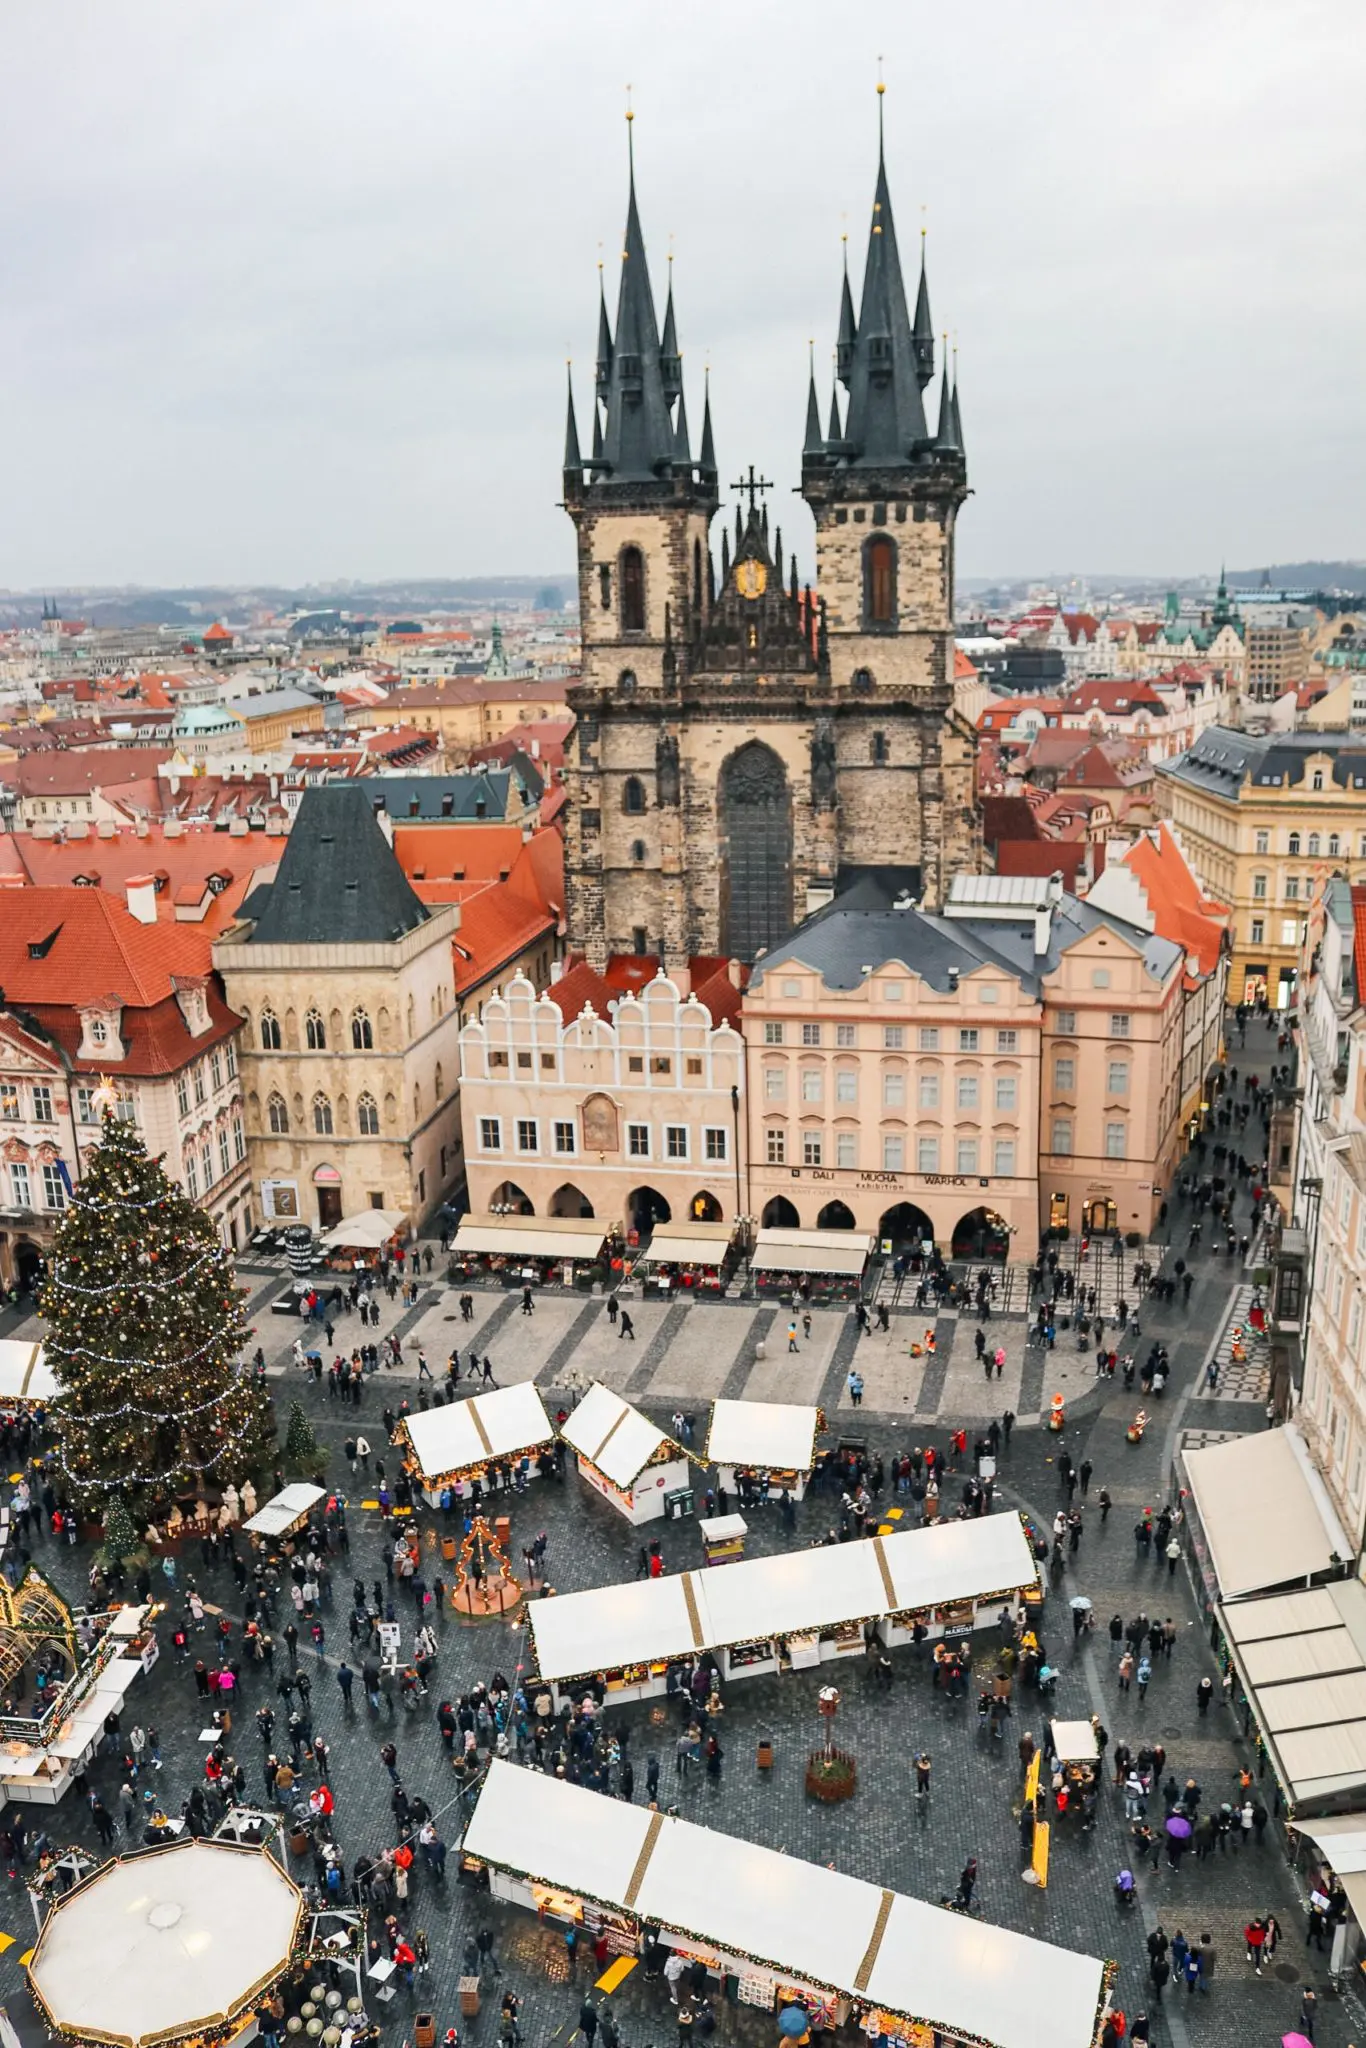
1074, 1742
642, 1621
1265, 1512
1302, 1660
165, 1942
367, 1230
467, 1433
800, 1920
615, 1437
811, 1251
687, 1244
531, 1237
763, 1434
24, 1372
284, 1510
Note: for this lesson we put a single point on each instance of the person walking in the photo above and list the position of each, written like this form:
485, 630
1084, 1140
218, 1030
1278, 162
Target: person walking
792, 1336
626, 1328
1254, 1934
1126, 1670
1203, 1694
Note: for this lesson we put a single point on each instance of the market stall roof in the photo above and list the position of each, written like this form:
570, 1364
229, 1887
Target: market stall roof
165, 1942
615, 1437
1342, 1838
646, 1620
1301, 1658
1074, 1742
24, 1372
801, 1920
531, 1237
284, 1510
762, 1433
466, 1433
1265, 1511
688, 1244
811, 1251
367, 1230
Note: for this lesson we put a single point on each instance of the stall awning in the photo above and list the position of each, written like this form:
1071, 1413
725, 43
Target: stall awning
367, 1231
467, 1433
688, 1244
801, 1921
1074, 1742
645, 1620
611, 1434
811, 1251
1265, 1512
284, 1510
531, 1237
1301, 1658
763, 1434
1341, 1838
24, 1372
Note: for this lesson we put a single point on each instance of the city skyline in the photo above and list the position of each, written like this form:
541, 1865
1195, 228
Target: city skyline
307, 331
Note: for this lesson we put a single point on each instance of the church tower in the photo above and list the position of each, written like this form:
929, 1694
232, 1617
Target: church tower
641, 505
884, 490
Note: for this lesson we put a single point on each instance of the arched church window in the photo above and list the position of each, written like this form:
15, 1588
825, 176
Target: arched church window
879, 581
632, 591
315, 1031
861, 682
633, 796
877, 748
637, 851
322, 1116
626, 683
277, 1114
270, 1031
362, 1037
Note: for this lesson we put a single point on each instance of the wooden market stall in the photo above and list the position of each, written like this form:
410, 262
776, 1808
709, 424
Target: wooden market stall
793, 1611
776, 1930
625, 1457
763, 1448
1077, 1755
813, 1265
484, 1439
287, 1511
687, 1258
723, 1538
527, 1251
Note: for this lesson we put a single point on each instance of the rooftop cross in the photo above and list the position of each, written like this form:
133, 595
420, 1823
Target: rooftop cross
754, 485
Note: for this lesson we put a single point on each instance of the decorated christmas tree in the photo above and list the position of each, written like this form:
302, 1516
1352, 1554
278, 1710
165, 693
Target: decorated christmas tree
301, 1446
145, 1325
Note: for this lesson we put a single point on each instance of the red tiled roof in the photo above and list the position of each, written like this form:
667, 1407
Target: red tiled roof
217, 631
579, 986
80, 771
156, 1038
1182, 911
98, 948
1042, 857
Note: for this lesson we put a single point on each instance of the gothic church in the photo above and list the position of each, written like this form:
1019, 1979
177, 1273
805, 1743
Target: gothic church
745, 746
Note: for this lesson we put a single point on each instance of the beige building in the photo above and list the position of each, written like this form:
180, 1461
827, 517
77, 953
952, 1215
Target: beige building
975, 1077
1277, 658
350, 1055
268, 721
623, 1102
469, 712
1263, 820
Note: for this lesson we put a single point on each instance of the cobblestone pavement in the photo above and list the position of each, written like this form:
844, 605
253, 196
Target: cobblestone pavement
677, 1356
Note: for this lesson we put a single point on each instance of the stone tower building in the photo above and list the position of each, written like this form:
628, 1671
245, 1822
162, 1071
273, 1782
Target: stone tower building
744, 748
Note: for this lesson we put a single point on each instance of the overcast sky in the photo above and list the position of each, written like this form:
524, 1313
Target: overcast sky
288, 285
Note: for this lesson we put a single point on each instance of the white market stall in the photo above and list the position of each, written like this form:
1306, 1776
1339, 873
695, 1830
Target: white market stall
624, 1456
817, 1265
524, 1251
686, 1258
369, 1230
286, 1511
782, 1929
790, 1612
165, 1944
468, 1440
770, 1445
26, 1378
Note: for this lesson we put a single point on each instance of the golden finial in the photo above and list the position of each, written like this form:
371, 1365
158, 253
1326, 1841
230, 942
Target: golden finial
629, 113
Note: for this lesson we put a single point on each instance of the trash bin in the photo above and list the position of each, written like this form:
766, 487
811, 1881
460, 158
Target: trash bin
763, 1755
448, 1549
469, 1998
424, 2030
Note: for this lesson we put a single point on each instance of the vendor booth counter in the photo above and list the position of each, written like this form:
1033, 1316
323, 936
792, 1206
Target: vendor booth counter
625, 1457
790, 1612
776, 1930
529, 1251
686, 1259
465, 1440
811, 1265
771, 1445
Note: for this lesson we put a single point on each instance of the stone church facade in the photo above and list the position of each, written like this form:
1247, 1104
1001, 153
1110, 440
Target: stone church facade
745, 746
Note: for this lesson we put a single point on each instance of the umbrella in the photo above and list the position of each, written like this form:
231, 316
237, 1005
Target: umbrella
1295, 2041
1081, 1605
794, 2022
1178, 1827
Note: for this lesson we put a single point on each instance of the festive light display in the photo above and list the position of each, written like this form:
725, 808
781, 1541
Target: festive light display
145, 1324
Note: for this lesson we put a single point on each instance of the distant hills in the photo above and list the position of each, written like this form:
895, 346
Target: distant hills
196, 605
1301, 576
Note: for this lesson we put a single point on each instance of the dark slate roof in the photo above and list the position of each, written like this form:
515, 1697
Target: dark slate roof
339, 882
434, 797
1222, 760
886, 416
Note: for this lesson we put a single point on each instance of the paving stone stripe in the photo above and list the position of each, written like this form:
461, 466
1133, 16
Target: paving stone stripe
657, 1350
733, 1386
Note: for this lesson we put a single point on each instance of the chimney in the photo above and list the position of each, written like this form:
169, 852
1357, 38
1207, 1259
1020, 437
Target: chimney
1055, 889
142, 898
556, 971
1043, 926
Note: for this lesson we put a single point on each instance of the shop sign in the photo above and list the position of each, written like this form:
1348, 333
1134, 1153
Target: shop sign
280, 1199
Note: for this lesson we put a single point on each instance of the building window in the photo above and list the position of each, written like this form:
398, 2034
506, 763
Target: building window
54, 1187
675, 1141
1006, 1091
1259, 888
528, 1137
497, 1059
42, 1105
277, 1116
1116, 1141
1318, 778
367, 1116
224, 1152
315, 1035
715, 1143
631, 573
1062, 1136
1293, 843
928, 1040
362, 1035
846, 1084
1262, 843
1003, 1158
638, 1141
635, 1063
1314, 846
491, 1134
85, 1105
693, 1069
1067, 1023
775, 1084
775, 1147
269, 1031
877, 749
1007, 1041
861, 682
322, 1116
1292, 888
199, 1090
773, 1034
1100, 977
929, 1091
19, 1186
1119, 1024
239, 1140
1064, 1075
893, 1152
846, 1148
968, 1091
1258, 930
811, 1034
660, 1063
1117, 1077
893, 1037
192, 1176
811, 1148
846, 1036
967, 1041
99, 1030
879, 582
1334, 846
812, 1084
564, 1137
894, 1089
638, 852
230, 1059
927, 1155
633, 796
9, 1101
182, 1093
216, 1070
967, 1155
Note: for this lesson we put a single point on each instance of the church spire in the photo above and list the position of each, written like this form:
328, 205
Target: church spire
886, 417
813, 444
922, 333
604, 341
835, 431
707, 459
848, 333
682, 451
958, 440
639, 440
572, 459
670, 361
946, 438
